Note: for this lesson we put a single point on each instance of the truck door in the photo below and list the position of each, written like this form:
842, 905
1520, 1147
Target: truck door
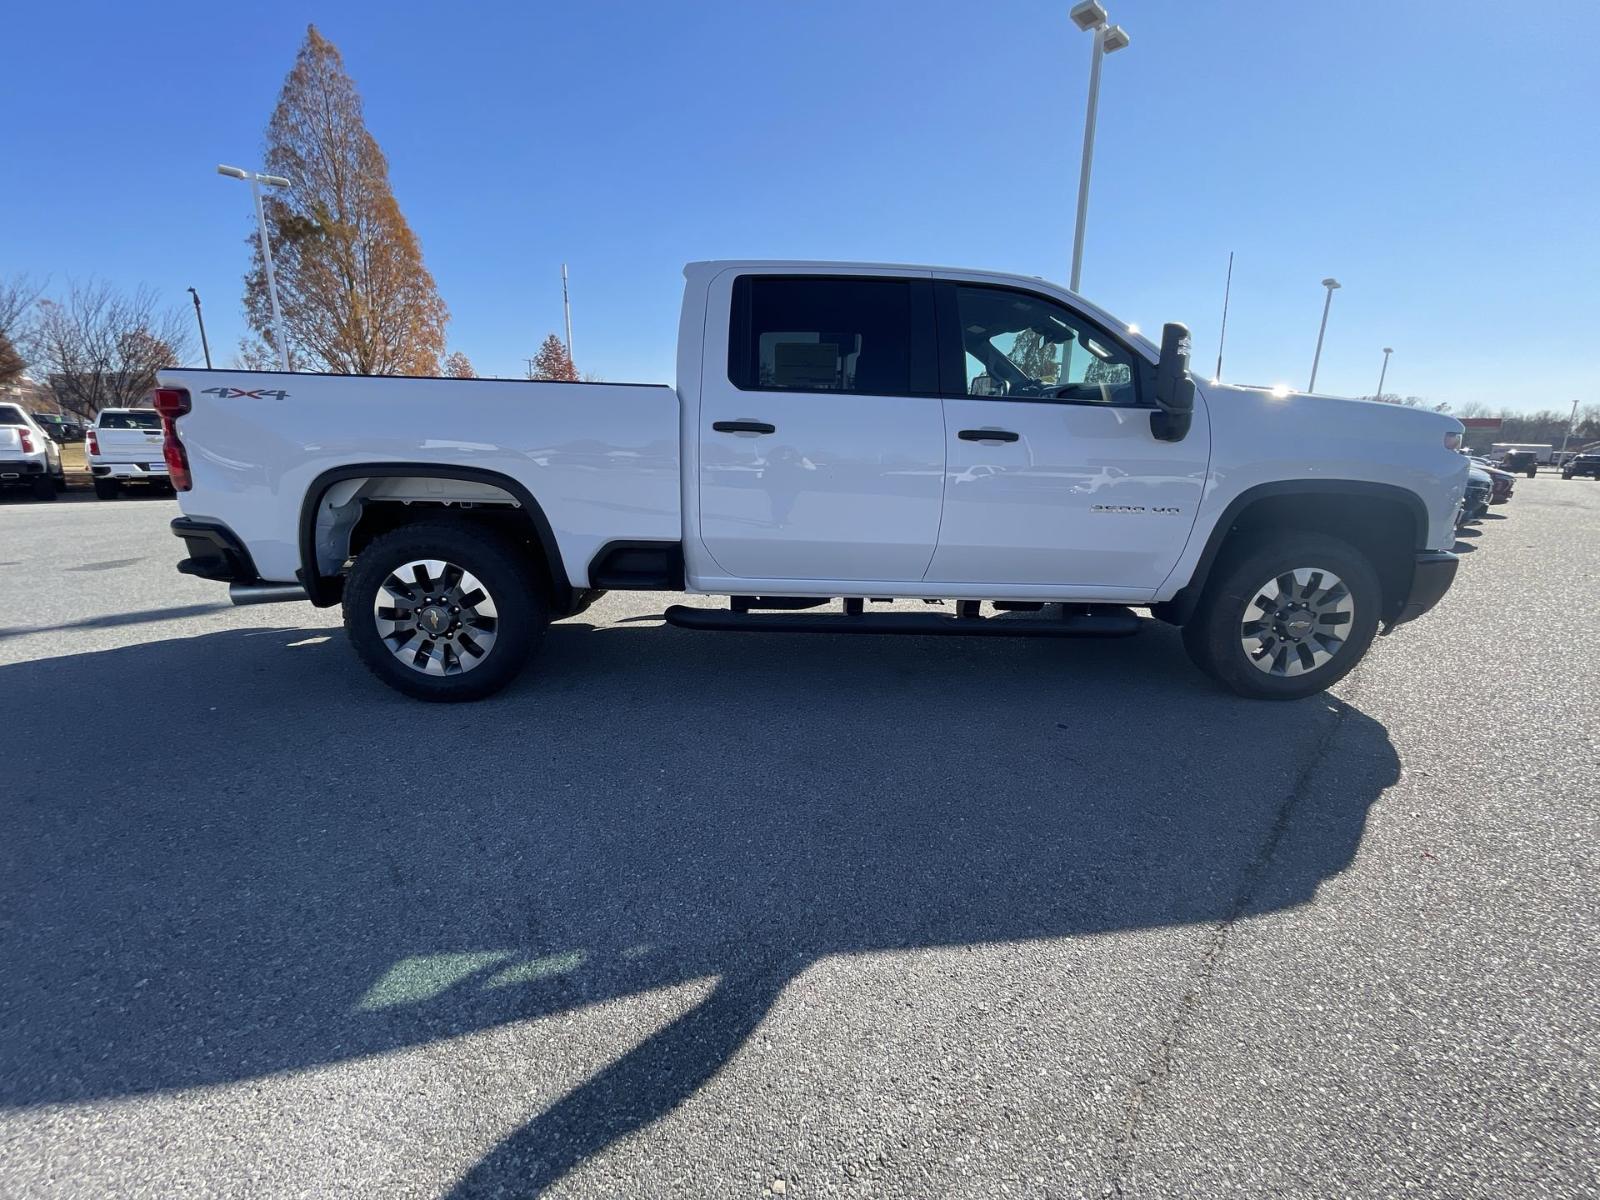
822, 440
1052, 475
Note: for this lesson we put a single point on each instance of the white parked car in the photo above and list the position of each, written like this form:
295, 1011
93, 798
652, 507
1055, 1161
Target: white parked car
838, 432
124, 446
29, 456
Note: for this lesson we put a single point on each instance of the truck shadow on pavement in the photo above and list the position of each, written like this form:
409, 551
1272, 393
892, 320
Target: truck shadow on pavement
276, 863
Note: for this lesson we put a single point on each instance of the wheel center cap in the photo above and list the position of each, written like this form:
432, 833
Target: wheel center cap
1299, 625
434, 619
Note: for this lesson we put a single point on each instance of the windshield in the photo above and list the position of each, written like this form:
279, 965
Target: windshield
141, 419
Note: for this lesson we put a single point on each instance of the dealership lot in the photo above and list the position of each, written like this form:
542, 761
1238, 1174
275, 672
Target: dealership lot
690, 914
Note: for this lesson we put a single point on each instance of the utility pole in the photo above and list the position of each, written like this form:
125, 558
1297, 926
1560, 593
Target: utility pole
566, 307
1383, 374
204, 345
1227, 290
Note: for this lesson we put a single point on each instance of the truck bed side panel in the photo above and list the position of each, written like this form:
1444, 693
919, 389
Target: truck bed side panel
600, 459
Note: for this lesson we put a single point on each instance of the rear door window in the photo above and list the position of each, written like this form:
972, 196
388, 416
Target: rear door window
823, 334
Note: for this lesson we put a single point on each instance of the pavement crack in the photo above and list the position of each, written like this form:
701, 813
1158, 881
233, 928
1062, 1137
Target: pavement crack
1158, 1067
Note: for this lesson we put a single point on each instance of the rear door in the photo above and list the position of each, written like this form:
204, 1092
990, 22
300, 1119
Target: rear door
1053, 477
821, 438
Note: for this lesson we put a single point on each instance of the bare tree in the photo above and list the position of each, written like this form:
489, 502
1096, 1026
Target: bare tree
254, 355
101, 348
17, 296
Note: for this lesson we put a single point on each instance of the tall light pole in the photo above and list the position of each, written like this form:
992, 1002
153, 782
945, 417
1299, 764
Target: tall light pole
204, 345
256, 180
1387, 350
1330, 283
566, 308
1572, 423
1091, 18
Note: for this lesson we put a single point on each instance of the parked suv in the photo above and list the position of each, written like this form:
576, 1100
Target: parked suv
1520, 462
1583, 464
29, 457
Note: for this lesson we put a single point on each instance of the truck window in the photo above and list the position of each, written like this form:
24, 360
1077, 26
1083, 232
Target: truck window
142, 419
816, 334
11, 415
1018, 345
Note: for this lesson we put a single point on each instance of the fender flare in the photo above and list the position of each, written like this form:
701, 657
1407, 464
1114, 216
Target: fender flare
1183, 602
322, 590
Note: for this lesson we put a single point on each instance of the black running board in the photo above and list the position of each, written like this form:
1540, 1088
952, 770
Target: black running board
1076, 620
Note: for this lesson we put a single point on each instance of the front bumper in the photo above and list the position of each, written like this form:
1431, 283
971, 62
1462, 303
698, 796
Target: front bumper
1430, 580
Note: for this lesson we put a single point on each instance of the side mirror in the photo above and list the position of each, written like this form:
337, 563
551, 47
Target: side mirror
1174, 389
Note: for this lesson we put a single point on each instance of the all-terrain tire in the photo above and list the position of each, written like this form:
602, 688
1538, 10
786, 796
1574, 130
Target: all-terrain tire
495, 566
1268, 641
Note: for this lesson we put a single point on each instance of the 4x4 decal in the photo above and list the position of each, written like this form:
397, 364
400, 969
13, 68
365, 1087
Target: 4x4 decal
230, 393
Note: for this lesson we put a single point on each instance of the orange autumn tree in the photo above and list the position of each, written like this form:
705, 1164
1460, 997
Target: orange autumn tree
553, 361
356, 296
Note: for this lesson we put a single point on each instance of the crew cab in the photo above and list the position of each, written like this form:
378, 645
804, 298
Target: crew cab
839, 434
122, 447
29, 456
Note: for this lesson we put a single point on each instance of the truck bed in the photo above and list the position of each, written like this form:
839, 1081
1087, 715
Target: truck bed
601, 459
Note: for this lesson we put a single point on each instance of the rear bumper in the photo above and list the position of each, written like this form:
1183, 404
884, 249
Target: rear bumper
215, 551
13, 469
130, 472
1430, 580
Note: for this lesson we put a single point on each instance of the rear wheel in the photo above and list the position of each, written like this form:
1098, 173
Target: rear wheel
1285, 618
44, 487
444, 610
106, 489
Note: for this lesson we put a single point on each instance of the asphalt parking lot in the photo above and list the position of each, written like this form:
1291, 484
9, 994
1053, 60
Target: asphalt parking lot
716, 915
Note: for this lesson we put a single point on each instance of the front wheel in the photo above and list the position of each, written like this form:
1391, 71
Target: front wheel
1286, 618
444, 610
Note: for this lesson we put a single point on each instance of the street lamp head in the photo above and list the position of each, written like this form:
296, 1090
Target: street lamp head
231, 172
1388, 349
1114, 38
1088, 15
273, 180
1330, 283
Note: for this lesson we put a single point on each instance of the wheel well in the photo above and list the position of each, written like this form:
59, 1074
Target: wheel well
1385, 528
343, 517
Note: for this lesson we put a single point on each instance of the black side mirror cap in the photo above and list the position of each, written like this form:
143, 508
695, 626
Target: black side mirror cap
1174, 388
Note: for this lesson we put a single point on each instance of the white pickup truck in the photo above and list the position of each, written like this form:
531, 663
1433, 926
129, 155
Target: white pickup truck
839, 434
29, 456
124, 445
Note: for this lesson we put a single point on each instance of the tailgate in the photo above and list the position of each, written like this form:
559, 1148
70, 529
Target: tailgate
129, 445
10, 440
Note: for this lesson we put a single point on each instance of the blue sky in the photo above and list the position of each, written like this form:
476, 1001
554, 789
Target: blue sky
1440, 157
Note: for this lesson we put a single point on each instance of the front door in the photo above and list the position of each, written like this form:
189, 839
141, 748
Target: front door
822, 445
1052, 476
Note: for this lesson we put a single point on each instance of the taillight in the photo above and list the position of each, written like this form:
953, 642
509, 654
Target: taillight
1452, 441
172, 403
27, 440
92, 441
